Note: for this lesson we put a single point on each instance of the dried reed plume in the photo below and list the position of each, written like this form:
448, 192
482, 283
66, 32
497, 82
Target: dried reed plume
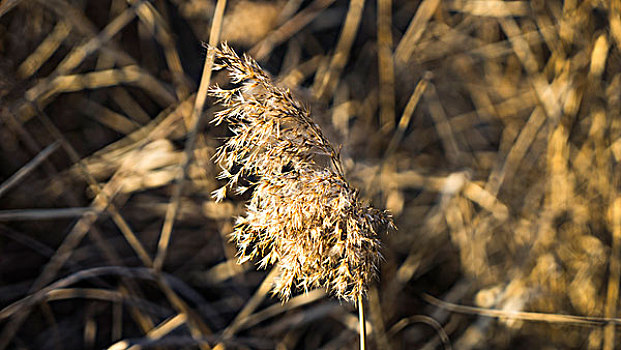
302, 216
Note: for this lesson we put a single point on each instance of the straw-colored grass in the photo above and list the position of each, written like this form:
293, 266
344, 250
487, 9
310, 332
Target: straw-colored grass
489, 129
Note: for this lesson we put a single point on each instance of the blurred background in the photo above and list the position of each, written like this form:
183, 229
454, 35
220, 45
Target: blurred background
490, 129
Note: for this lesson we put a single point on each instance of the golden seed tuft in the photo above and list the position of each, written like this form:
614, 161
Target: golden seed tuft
301, 216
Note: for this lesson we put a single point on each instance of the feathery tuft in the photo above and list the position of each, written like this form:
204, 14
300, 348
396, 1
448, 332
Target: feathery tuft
303, 217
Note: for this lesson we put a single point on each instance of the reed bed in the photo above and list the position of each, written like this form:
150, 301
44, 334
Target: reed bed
489, 130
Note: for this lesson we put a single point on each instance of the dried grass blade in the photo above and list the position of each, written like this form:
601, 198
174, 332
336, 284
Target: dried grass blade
328, 81
197, 113
385, 65
7, 5
42, 214
415, 30
614, 277
289, 28
45, 50
28, 168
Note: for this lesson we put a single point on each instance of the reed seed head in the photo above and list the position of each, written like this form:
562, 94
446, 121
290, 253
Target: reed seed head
302, 216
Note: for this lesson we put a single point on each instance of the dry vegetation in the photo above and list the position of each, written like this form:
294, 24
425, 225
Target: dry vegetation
491, 130
302, 217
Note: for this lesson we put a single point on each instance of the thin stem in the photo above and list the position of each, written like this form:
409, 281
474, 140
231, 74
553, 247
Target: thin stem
363, 331
192, 126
